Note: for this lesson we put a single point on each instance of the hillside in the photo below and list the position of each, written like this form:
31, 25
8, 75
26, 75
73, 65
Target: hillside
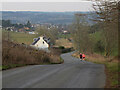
42, 17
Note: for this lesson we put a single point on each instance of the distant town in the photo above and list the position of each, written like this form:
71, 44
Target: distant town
30, 28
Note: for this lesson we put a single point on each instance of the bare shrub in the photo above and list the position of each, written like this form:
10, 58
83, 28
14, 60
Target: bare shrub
17, 54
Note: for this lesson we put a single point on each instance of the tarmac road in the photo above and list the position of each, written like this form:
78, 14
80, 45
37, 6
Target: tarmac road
72, 74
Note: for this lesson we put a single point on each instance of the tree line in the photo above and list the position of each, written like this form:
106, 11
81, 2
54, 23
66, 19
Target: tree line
8, 23
106, 23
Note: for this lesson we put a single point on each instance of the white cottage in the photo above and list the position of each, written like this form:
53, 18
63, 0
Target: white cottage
41, 43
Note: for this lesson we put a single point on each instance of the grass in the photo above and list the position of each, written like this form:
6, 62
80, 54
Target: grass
64, 42
64, 36
111, 69
115, 52
112, 74
16, 56
20, 37
61, 60
4, 67
0, 68
28, 39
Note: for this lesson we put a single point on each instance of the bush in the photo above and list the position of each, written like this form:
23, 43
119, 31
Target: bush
99, 47
66, 50
14, 55
61, 47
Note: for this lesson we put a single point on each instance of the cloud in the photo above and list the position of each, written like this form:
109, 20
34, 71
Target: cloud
47, 6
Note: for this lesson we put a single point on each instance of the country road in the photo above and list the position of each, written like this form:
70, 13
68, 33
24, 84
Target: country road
72, 74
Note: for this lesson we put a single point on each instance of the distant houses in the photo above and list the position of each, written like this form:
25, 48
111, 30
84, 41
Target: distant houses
41, 43
18, 27
65, 32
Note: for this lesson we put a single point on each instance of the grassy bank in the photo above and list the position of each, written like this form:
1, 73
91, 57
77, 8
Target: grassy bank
111, 69
64, 42
16, 55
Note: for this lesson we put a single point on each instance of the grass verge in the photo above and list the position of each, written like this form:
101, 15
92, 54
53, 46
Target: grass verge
16, 55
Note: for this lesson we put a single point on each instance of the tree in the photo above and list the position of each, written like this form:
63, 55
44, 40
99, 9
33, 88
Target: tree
52, 33
80, 35
107, 11
20, 26
94, 28
99, 47
6, 23
28, 24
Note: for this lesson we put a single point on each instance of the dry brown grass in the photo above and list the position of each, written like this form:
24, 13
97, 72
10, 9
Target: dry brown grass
20, 55
64, 42
12, 54
97, 58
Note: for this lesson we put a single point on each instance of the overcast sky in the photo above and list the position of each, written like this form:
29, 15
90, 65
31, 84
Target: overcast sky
47, 6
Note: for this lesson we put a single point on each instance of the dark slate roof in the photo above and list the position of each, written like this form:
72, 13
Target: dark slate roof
47, 40
36, 41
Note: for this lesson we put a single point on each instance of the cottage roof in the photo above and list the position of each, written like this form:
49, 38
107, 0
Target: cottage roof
47, 40
36, 41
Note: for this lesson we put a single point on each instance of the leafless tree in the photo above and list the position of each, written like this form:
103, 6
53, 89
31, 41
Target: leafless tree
51, 33
80, 35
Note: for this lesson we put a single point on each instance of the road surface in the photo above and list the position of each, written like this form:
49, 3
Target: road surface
72, 74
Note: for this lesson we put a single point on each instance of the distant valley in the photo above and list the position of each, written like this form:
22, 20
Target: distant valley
42, 17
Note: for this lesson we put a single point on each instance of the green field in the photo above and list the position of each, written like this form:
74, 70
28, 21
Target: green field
64, 36
20, 37
28, 39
